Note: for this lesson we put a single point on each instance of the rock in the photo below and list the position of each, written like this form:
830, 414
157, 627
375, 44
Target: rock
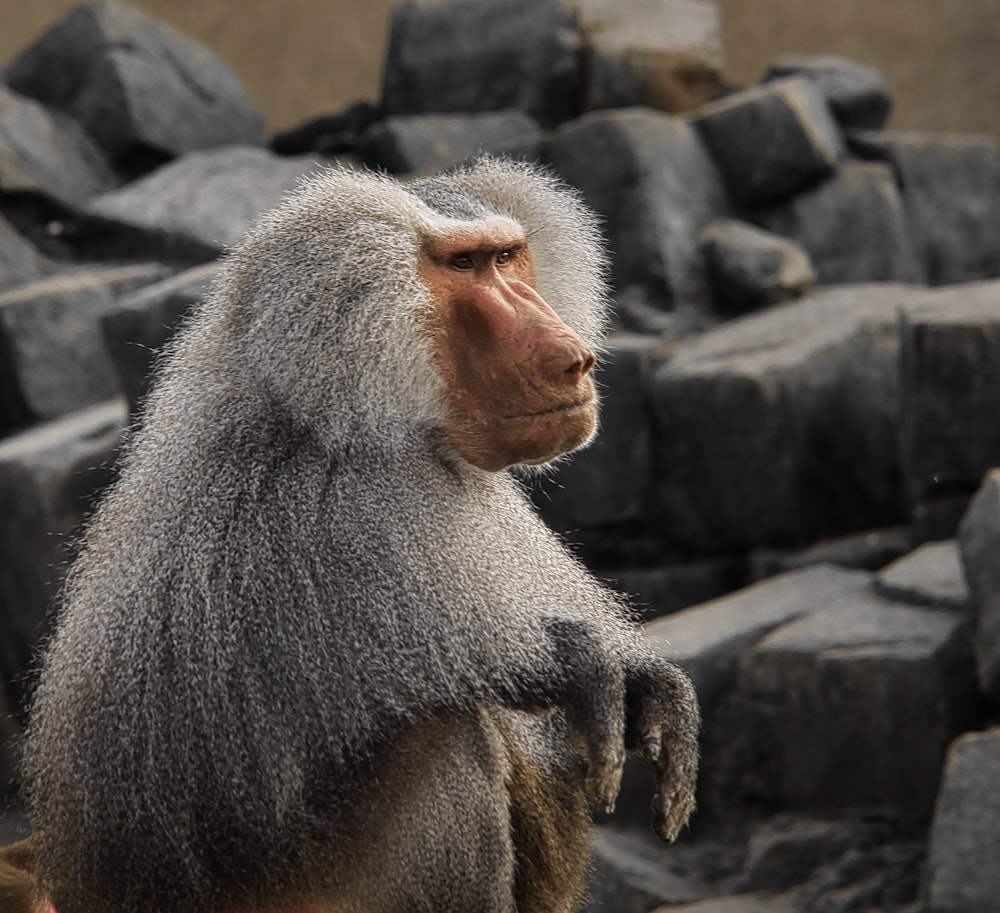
663, 54
48, 477
962, 874
423, 143
609, 481
446, 56
19, 260
853, 227
708, 640
979, 542
858, 95
675, 585
649, 176
950, 385
852, 705
931, 575
626, 878
137, 328
48, 154
195, 207
771, 141
806, 394
951, 191
869, 550
145, 92
738, 903
749, 269
332, 134
55, 359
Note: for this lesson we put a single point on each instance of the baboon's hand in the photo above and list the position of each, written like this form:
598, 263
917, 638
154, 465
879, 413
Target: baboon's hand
594, 704
662, 725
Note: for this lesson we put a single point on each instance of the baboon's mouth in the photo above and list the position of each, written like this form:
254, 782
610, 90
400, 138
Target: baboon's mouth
566, 407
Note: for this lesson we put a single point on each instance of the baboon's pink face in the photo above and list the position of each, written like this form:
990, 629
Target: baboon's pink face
518, 378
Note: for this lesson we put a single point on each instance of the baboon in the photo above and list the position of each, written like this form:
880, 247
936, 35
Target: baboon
318, 653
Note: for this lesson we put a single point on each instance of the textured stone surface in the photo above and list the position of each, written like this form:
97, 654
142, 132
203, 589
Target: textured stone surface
853, 227
962, 871
192, 208
950, 386
749, 269
930, 575
806, 394
450, 56
47, 153
650, 177
771, 140
979, 544
19, 260
141, 89
55, 358
951, 190
858, 94
422, 143
139, 326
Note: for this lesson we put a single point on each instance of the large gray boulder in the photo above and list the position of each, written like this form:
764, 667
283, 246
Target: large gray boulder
425, 143
858, 94
48, 479
653, 182
749, 269
48, 154
191, 209
138, 327
142, 90
446, 56
771, 140
950, 387
55, 358
663, 54
853, 226
930, 575
951, 190
781, 426
19, 259
979, 543
853, 704
962, 874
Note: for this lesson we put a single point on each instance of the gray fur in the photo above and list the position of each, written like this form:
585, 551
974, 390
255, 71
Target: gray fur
296, 580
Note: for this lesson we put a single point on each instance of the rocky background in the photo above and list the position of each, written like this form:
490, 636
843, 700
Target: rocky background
795, 475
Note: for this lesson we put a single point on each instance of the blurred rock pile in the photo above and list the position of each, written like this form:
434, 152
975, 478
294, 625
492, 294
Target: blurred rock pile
796, 468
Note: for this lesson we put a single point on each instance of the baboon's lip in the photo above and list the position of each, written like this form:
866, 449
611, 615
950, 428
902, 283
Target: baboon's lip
565, 407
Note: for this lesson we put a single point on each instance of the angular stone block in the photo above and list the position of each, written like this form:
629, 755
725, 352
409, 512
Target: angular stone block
858, 94
749, 269
962, 874
652, 180
851, 705
771, 141
48, 478
424, 143
46, 153
193, 208
781, 427
446, 56
663, 54
951, 191
930, 575
141, 324
950, 387
141, 89
853, 226
55, 358
979, 545
19, 260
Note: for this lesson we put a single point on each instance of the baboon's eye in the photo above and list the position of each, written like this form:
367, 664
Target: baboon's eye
504, 257
462, 261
